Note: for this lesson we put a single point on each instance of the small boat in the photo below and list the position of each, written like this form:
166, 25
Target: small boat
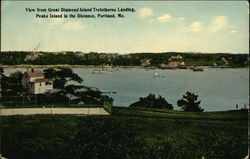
156, 74
197, 69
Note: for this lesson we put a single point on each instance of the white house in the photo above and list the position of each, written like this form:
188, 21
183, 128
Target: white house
145, 62
35, 82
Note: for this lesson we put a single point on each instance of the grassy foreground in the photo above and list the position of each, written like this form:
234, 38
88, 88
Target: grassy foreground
129, 133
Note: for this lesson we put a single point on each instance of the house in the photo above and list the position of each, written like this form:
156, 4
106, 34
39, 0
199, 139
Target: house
103, 55
176, 61
173, 64
33, 56
35, 83
170, 65
223, 63
182, 63
79, 53
177, 58
145, 62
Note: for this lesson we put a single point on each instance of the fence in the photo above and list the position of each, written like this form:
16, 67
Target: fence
32, 101
15, 101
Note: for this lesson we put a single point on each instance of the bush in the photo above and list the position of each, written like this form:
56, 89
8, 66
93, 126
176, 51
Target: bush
152, 102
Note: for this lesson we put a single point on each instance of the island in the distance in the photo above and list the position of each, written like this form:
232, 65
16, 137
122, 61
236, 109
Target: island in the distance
156, 60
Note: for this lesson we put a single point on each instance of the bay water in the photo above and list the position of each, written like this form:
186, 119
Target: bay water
218, 89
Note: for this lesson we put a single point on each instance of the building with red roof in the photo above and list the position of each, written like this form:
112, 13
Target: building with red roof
35, 83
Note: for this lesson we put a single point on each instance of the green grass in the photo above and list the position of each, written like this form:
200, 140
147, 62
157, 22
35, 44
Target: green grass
129, 133
172, 114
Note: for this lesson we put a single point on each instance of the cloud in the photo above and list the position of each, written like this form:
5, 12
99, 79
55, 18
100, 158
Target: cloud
145, 12
218, 23
195, 26
233, 31
181, 18
73, 26
164, 18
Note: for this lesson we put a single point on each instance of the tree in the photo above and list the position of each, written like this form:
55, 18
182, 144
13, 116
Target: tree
189, 103
61, 76
152, 102
11, 85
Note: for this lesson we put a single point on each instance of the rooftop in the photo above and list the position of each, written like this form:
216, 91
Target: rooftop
35, 74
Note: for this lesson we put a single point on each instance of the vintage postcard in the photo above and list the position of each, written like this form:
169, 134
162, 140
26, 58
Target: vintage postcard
124, 80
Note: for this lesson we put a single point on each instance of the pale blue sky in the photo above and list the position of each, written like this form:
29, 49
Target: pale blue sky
207, 27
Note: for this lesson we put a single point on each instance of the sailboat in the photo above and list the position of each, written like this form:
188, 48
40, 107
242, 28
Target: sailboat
156, 74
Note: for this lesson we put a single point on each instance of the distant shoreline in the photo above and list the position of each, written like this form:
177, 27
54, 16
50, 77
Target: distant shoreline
72, 66
94, 66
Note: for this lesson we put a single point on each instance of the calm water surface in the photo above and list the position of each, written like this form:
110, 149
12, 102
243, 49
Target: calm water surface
218, 89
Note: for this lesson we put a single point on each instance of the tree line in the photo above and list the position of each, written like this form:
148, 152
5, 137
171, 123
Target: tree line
133, 59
